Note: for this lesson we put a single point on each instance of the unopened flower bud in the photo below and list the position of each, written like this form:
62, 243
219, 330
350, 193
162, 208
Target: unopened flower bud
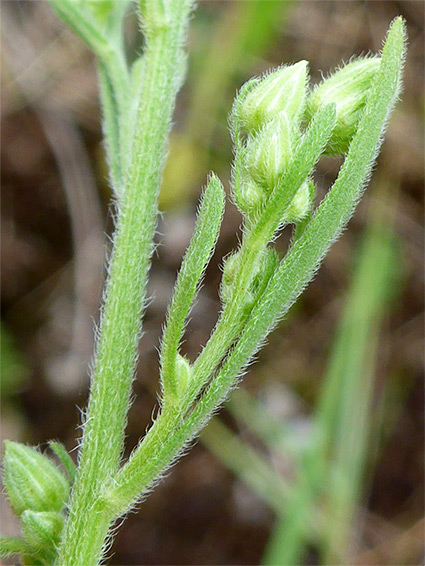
269, 152
249, 196
269, 260
184, 373
301, 203
32, 481
282, 90
263, 269
42, 529
348, 88
231, 265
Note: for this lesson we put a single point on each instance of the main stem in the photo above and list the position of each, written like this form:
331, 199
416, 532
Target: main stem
102, 443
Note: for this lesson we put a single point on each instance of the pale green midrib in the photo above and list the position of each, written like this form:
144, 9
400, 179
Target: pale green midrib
114, 368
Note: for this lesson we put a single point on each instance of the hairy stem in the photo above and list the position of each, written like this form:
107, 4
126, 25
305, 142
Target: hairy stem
172, 430
102, 442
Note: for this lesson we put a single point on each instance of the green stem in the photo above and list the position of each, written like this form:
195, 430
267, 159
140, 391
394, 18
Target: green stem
171, 431
114, 83
102, 443
229, 326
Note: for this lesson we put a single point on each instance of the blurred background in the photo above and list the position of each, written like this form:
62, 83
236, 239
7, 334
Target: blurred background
318, 457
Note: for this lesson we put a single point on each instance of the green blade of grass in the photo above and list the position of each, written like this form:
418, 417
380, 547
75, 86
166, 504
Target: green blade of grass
278, 435
335, 466
355, 417
252, 469
246, 463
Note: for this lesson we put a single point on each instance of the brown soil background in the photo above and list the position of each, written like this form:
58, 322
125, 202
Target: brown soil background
52, 254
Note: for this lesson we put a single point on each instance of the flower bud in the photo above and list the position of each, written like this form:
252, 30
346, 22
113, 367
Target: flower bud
42, 529
301, 203
231, 265
32, 481
269, 152
264, 268
282, 90
249, 196
184, 373
348, 88
267, 266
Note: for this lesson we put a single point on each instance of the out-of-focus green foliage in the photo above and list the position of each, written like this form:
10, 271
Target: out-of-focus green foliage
13, 366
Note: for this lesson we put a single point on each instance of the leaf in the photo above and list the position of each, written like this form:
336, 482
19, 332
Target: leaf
193, 266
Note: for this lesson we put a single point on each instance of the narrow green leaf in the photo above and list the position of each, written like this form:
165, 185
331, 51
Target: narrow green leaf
82, 22
99, 24
111, 130
60, 451
300, 167
116, 96
193, 266
129, 112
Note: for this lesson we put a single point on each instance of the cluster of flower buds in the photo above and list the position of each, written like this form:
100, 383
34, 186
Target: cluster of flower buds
38, 492
270, 118
269, 115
